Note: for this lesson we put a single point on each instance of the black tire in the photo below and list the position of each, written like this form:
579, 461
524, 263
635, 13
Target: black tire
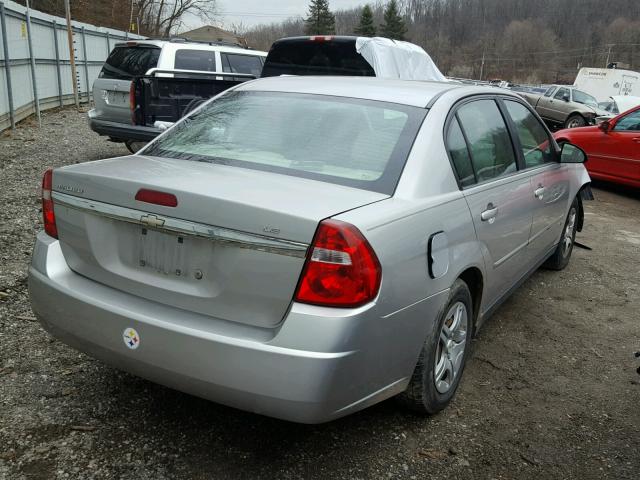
422, 395
562, 255
574, 121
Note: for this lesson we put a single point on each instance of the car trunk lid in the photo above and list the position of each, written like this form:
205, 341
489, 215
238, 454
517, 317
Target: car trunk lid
233, 247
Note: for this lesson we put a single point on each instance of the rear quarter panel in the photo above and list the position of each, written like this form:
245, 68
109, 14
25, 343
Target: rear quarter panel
427, 201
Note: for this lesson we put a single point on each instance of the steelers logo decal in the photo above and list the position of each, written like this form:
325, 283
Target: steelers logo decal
131, 338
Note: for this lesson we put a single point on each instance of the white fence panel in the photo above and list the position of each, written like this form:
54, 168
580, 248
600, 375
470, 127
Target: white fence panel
54, 84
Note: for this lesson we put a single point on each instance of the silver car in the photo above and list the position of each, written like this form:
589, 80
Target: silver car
304, 247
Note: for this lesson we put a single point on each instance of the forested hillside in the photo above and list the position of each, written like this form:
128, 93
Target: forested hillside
521, 40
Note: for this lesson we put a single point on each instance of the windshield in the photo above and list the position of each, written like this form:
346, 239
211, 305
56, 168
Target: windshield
584, 98
358, 143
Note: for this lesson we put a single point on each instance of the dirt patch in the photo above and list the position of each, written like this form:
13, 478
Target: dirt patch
551, 389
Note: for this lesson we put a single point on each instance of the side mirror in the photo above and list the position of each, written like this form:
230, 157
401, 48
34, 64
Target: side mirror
566, 97
572, 154
605, 126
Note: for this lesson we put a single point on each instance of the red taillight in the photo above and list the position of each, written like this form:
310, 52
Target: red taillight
132, 102
321, 38
157, 198
48, 216
342, 270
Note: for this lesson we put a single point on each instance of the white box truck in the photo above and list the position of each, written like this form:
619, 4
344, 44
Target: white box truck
603, 83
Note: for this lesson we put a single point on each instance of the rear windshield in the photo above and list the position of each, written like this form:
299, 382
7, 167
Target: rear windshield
358, 143
126, 62
316, 58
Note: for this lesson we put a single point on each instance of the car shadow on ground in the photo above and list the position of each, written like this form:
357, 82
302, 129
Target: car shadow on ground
210, 434
611, 187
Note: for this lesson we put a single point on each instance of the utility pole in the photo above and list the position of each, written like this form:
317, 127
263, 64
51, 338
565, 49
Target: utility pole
482, 67
131, 17
72, 54
608, 56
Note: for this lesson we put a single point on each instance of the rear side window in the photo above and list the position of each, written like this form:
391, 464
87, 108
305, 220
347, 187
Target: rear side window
535, 143
459, 153
357, 143
126, 62
235, 63
489, 142
307, 57
202, 60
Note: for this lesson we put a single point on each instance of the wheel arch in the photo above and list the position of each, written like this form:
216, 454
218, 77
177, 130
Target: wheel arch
472, 276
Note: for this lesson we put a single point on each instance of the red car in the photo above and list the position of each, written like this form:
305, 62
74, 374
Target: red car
613, 148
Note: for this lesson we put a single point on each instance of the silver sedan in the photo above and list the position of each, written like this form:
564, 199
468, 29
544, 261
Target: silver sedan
304, 247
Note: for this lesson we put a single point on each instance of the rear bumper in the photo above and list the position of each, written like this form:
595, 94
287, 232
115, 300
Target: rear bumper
315, 367
122, 131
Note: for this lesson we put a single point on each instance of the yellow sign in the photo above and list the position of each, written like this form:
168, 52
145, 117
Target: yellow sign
23, 29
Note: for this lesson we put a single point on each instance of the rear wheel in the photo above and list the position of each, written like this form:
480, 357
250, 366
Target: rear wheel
442, 359
574, 121
562, 255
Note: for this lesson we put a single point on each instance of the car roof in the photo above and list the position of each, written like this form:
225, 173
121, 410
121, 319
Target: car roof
406, 92
213, 46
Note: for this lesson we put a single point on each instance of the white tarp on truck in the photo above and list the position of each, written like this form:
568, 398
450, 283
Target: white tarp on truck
400, 60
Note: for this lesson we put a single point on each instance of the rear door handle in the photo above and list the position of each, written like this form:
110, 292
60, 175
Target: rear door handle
636, 139
539, 192
489, 215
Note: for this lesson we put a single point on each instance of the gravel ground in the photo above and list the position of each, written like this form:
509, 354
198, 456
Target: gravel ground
550, 391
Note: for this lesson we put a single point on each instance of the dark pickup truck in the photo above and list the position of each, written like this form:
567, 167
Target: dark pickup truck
164, 96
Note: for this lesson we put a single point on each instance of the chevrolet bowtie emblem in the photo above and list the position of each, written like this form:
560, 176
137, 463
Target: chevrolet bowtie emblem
151, 221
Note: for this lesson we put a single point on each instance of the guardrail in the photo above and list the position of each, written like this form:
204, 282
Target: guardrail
35, 64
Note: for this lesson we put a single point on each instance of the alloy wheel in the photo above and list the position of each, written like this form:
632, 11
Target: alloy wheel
451, 346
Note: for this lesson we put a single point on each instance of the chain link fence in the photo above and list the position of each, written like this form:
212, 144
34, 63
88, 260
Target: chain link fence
35, 65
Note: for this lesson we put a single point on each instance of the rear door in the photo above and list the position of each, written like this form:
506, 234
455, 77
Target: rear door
498, 196
111, 88
549, 179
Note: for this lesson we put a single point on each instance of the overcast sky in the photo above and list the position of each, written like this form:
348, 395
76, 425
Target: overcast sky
254, 12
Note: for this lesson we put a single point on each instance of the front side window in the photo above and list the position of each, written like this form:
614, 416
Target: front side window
490, 145
358, 143
562, 93
534, 140
241, 64
202, 60
629, 123
549, 92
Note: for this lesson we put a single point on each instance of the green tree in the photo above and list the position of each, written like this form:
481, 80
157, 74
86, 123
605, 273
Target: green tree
366, 28
320, 20
393, 26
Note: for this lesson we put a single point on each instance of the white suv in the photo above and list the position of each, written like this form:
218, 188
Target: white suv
112, 89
